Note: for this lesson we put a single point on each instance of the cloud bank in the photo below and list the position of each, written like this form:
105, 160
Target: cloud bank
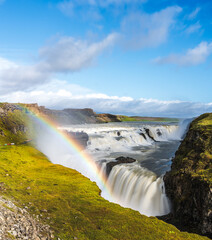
67, 55
192, 57
59, 94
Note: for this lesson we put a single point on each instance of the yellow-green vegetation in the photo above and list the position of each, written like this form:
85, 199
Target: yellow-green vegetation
124, 118
189, 182
205, 120
70, 203
195, 153
13, 127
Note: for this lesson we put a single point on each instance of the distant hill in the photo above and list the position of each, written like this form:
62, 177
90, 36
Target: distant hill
123, 118
79, 116
87, 115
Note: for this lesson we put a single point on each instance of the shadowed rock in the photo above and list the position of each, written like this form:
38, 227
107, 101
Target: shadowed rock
189, 183
149, 134
119, 160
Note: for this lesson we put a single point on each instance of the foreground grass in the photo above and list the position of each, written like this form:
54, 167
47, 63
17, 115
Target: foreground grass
70, 203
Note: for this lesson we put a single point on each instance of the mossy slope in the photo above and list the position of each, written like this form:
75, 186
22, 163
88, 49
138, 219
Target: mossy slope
14, 124
189, 183
70, 203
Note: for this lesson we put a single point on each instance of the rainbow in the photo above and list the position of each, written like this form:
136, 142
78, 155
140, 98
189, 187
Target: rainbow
74, 146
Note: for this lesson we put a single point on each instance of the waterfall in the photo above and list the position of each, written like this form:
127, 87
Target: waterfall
132, 185
112, 138
137, 188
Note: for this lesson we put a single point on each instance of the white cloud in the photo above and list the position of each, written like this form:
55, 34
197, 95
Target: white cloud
193, 14
14, 77
193, 56
71, 55
59, 94
148, 30
193, 28
67, 55
6, 64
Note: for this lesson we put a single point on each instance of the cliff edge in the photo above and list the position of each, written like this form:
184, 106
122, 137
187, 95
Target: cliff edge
189, 183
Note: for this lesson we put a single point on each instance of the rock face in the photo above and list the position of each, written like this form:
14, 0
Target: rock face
8, 107
119, 160
71, 115
106, 117
12, 127
16, 223
189, 183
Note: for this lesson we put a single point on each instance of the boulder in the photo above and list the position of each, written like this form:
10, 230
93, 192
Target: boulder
119, 160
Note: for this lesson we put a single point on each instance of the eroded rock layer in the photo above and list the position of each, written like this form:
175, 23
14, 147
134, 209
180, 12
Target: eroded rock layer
189, 183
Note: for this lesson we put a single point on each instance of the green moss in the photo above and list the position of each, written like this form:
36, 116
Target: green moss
11, 126
70, 203
195, 153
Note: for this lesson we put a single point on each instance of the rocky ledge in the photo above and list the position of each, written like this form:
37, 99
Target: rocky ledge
189, 183
16, 223
119, 160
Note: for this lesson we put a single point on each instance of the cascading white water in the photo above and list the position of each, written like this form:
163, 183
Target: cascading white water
122, 138
140, 189
132, 185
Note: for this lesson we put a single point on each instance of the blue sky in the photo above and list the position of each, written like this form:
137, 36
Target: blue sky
136, 57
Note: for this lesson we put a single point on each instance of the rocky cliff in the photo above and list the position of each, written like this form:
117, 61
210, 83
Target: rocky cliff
71, 115
189, 183
13, 126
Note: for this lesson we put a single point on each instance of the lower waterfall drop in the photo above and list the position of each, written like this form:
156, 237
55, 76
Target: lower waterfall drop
140, 189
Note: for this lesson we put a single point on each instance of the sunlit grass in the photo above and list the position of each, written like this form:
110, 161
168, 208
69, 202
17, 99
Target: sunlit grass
70, 203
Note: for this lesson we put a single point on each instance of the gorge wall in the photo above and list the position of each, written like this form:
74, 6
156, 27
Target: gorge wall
189, 183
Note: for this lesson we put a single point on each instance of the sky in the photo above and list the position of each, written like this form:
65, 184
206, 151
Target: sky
133, 57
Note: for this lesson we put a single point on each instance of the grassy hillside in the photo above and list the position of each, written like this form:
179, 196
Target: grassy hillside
189, 183
70, 203
13, 127
195, 153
